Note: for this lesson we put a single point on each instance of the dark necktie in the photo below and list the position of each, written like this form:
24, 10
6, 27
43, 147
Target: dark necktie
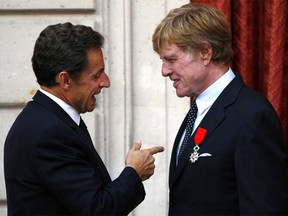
189, 127
83, 126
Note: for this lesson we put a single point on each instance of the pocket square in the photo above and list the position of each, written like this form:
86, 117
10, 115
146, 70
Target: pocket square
205, 155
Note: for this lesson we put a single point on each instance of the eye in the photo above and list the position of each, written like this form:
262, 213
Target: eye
97, 75
169, 60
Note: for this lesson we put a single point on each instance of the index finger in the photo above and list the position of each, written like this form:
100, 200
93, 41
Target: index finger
156, 149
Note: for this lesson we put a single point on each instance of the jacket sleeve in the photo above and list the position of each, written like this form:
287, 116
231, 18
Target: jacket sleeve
70, 171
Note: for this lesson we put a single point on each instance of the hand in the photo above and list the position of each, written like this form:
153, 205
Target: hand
142, 160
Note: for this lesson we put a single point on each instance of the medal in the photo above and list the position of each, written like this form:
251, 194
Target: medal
194, 156
198, 139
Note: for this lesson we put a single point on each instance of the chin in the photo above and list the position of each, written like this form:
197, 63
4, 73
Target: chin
90, 110
180, 95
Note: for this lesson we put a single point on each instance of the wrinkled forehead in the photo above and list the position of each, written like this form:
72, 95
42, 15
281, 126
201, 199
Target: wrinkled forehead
169, 44
169, 49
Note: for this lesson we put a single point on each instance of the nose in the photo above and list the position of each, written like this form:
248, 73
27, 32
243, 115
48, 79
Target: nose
166, 69
105, 81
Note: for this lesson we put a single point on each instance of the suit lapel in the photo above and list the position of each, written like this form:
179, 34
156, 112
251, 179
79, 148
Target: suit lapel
210, 122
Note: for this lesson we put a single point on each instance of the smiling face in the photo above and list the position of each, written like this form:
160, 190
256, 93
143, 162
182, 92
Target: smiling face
187, 70
81, 94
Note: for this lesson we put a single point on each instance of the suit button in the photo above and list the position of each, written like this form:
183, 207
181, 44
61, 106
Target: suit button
171, 203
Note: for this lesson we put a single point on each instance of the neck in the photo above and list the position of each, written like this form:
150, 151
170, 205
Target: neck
214, 72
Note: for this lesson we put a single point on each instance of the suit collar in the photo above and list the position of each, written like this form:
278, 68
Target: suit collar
208, 97
71, 111
212, 119
53, 107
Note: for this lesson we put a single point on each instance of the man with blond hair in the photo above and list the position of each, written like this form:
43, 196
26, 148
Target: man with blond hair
229, 156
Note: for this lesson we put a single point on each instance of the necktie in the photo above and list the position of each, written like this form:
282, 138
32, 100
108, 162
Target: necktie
189, 127
83, 126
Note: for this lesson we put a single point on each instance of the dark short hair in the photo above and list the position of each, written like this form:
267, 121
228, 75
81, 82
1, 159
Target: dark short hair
63, 47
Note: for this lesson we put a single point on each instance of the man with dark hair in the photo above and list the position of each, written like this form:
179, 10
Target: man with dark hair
51, 166
229, 156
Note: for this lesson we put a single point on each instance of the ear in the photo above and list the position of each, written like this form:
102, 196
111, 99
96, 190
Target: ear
206, 53
64, 79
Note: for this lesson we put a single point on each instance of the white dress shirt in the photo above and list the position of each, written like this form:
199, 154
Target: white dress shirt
73, 113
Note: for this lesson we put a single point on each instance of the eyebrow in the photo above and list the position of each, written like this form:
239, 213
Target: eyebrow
101, 70
172, 56
98, 73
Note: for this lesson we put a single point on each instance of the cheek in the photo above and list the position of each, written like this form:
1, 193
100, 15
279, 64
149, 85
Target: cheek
183, 70
91, 87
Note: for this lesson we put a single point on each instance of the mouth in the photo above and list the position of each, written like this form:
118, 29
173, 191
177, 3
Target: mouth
93, 100
175, 83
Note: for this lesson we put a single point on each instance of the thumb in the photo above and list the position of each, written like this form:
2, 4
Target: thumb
136, 146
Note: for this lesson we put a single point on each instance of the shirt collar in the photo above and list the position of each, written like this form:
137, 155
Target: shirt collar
206, 99
66, 107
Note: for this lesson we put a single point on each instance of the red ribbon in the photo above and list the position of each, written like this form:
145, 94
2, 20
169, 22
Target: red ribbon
200, 135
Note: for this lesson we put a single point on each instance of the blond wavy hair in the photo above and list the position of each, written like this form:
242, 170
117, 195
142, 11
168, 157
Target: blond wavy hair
193, 26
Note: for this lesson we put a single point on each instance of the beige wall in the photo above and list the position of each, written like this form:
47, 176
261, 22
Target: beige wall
140, 104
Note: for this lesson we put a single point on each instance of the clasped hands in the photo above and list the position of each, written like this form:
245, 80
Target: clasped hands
142, 160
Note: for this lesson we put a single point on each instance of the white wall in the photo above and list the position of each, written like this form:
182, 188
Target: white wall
140, 104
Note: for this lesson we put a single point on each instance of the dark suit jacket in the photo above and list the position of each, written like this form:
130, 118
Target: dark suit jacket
52, 168
248, 170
